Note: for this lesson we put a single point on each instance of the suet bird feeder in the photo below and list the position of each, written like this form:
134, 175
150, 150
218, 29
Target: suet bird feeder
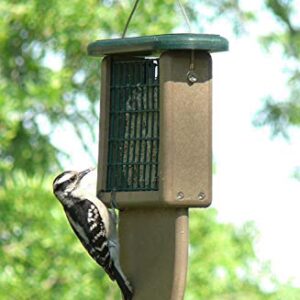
155, 150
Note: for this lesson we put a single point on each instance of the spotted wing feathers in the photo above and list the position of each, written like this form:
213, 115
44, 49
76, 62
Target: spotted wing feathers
90, 230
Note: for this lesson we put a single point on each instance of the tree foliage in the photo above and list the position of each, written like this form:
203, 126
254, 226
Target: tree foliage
280, 114
40, 256
42, 259
46, 75
46, 81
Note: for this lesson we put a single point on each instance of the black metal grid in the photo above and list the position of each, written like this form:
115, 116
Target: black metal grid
133, 126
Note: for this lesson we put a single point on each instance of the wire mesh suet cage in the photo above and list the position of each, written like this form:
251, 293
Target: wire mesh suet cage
133, 140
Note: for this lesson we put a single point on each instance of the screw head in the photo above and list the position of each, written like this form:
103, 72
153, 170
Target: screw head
180, 196
191, 77
201, 196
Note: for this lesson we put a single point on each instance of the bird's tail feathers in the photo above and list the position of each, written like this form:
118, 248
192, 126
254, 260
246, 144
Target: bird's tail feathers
123, 284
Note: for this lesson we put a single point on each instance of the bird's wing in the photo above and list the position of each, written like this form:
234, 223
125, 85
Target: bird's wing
89, 228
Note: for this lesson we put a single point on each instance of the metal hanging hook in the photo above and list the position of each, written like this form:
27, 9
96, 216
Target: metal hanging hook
113, 198
191, 75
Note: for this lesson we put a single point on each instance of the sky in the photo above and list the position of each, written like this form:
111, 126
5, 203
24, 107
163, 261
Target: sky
253, 180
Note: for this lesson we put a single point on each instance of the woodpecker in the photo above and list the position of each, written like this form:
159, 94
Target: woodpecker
94, 224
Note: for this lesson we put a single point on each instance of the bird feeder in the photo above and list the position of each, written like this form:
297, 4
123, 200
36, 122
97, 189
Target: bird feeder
155, 150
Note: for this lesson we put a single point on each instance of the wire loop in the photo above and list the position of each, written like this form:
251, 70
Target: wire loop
130, 17
182, 9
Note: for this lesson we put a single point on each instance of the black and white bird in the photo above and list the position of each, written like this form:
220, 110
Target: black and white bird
93, 223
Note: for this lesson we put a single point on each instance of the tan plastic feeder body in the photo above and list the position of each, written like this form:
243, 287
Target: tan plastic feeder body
155, 150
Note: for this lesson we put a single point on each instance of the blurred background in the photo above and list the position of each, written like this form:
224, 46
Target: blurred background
246, 245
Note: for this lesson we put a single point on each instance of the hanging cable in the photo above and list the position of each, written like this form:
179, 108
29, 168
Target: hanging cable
130, 17
191, 74
181, 7
185, 16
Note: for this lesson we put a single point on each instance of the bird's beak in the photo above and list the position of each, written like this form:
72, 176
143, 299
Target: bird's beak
84, 172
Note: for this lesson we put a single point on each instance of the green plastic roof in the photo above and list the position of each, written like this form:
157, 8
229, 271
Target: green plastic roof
158, 43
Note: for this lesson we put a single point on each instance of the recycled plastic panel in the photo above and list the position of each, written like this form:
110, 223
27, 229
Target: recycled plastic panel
155, 131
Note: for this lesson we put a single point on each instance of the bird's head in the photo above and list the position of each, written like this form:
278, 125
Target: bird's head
68, 183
